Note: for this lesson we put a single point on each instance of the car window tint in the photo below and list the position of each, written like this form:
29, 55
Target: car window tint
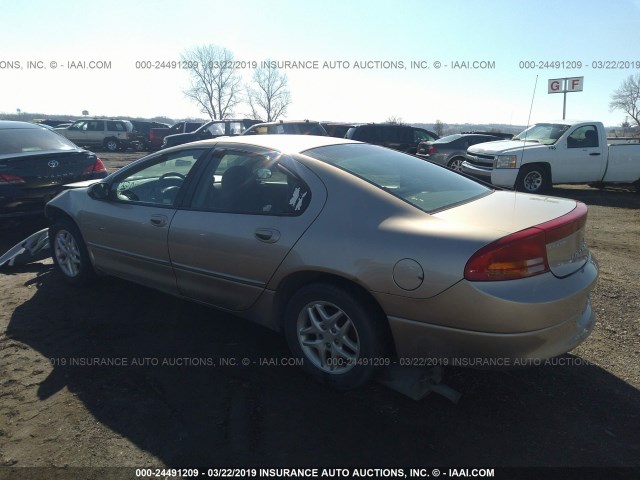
95, 126
422, 184
216, 129
160, 182
250, 183
236, 128
583, 137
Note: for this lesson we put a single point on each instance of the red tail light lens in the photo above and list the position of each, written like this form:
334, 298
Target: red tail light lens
523, 254
11, 180
97, 166
432, 149
152, 135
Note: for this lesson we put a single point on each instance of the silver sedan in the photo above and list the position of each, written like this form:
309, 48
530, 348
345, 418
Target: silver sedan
361, 255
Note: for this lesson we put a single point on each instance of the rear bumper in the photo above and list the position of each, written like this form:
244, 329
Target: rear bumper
536, 318
416, 340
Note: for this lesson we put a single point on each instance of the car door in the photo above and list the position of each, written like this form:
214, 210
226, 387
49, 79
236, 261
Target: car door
248, 210
582, 159
77, 132
95, 133
127, 232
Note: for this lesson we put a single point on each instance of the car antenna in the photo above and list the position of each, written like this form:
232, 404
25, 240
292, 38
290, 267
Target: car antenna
529, 119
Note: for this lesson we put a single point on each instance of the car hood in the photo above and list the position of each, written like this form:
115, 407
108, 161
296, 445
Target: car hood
508, 212
502, 146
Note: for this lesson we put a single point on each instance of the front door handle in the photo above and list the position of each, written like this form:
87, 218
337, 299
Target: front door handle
158, 220
267, 235
594, 154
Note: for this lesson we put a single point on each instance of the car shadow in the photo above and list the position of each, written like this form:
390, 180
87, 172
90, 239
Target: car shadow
609, 196
170, 376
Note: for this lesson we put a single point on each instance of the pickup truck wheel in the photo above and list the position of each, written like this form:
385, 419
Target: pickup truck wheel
111, 144
456, 164
533, 179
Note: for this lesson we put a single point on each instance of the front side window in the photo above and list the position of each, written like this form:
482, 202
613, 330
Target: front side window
250, 183
583, 137
422, 184
160, 182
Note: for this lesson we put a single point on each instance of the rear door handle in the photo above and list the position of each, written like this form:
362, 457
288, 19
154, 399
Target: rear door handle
158, 220
267, 235
594, 154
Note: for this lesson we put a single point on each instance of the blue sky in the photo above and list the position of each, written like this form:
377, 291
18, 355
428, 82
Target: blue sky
502, 32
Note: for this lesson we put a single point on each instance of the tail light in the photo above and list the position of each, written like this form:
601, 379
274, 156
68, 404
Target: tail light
97, 166
431, 149
152, 135
524, 254
11, 180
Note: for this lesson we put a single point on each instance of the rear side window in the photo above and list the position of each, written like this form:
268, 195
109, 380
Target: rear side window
116, 127
250, 183
422, 184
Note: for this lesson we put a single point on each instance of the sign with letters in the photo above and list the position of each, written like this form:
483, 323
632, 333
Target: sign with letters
563, 85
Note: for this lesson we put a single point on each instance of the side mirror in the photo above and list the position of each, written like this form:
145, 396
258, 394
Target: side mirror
99, 191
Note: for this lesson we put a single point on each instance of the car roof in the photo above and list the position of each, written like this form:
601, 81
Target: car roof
280, 143
10, 124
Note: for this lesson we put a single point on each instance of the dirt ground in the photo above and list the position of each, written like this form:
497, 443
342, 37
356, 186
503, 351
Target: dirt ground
166, 401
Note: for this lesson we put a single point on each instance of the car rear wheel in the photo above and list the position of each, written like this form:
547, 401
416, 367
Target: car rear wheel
70, 254
533, 179
337, 335
111, 144
456, 164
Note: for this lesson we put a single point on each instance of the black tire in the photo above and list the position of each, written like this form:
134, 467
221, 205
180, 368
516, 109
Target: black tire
69, 252
455, 164
533, 179
111, 144
356, 324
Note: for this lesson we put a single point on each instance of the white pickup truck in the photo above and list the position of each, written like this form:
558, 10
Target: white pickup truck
551, 153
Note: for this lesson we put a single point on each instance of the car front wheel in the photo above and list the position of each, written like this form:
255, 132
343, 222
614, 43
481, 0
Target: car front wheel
70, 253
338, 336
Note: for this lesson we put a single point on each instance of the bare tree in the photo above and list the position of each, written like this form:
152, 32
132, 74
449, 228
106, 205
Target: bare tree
394, 120
439, 128
627, 98
215, 82
268, 96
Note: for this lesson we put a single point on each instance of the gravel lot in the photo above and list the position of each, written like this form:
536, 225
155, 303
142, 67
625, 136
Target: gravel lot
582, 412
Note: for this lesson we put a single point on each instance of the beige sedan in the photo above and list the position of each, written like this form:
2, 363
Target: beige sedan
361, 255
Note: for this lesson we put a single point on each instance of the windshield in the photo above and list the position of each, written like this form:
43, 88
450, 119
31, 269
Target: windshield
424, 185
24, 140
448, 138
545, 133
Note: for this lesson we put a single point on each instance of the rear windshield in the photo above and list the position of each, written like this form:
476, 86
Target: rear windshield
24, 140
424, 185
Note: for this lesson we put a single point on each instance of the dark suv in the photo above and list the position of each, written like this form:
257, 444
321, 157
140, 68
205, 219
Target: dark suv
404, 138
212, 129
